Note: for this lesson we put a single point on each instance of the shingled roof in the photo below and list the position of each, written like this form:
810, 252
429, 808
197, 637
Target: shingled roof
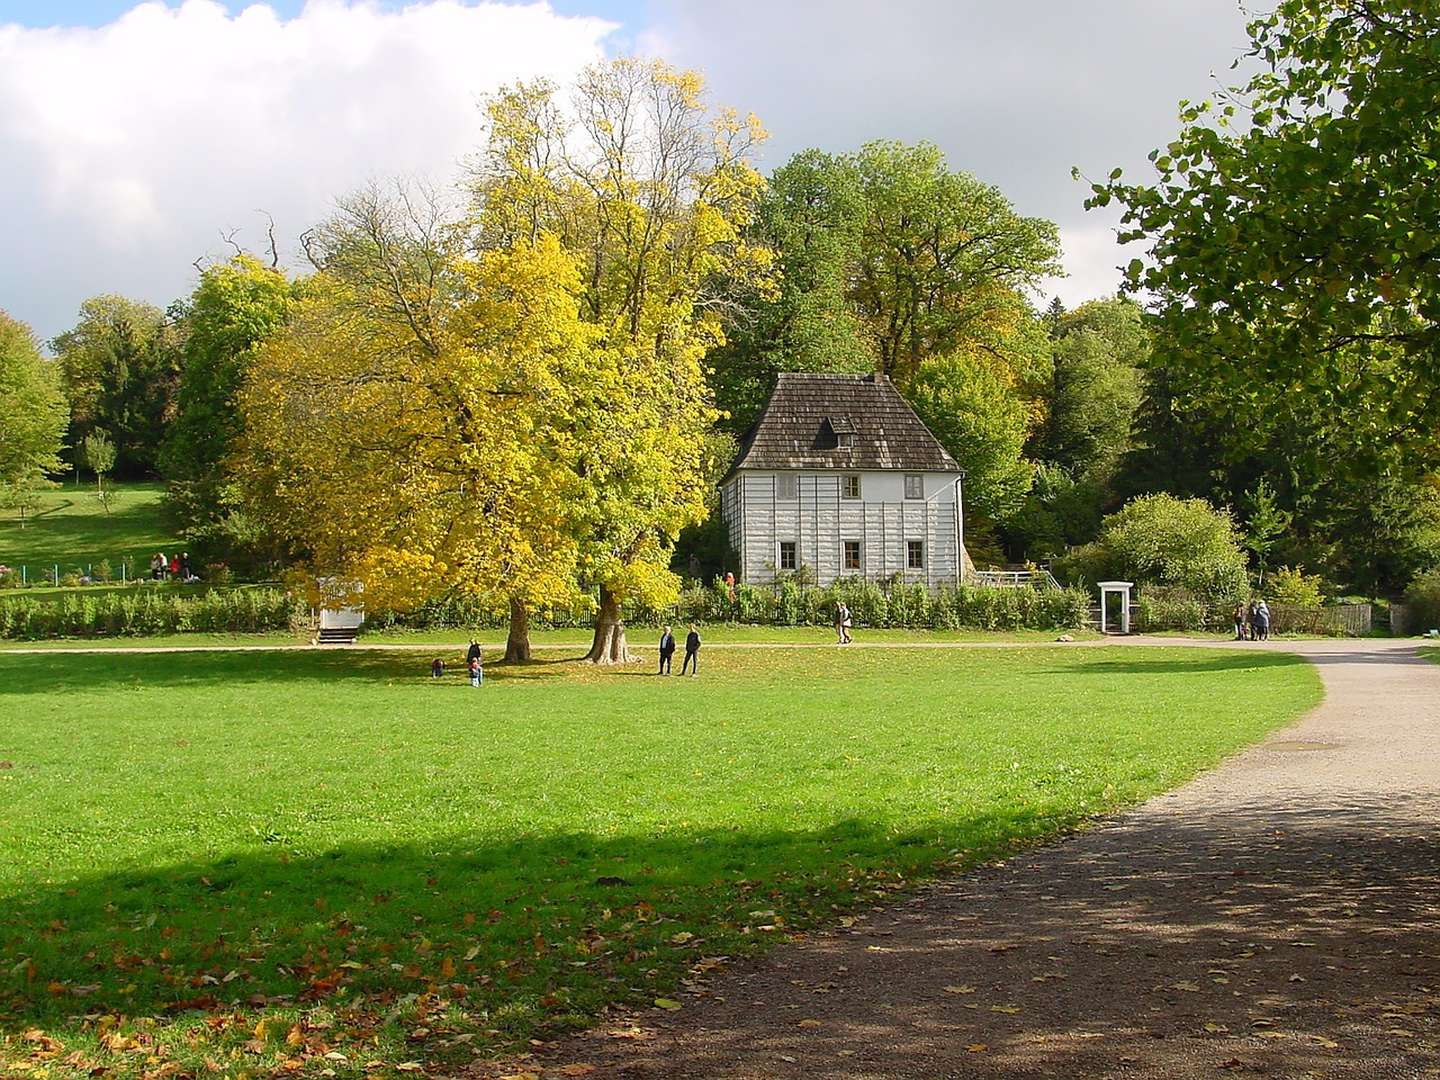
810, 417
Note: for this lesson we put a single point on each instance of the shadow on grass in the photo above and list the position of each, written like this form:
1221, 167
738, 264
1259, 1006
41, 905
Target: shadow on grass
1142, 661
36, 673
517, 935
1254, 939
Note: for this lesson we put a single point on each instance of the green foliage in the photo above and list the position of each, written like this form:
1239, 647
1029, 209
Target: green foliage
145, 610
1423, 598
32, 416
822, 782
791, 603
1158, 607
1099, 350
973, 409
1291, 238
1294, 587
236, 306
121, 367
1267, 522
1162, 540
812, 215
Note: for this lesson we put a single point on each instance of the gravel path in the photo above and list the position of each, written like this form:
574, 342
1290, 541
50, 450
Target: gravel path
1279, 915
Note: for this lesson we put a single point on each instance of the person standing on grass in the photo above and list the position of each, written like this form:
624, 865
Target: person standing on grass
1240, 621
839, 623
667, 651
1262, 620
473, 653
692, 652
477, 670
845, 623
157, 565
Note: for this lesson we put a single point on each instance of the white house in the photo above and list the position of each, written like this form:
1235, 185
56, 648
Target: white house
840, 476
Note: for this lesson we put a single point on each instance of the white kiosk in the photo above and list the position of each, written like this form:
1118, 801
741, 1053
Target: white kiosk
1121, 589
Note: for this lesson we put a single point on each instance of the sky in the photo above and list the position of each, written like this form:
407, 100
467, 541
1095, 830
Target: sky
135, 137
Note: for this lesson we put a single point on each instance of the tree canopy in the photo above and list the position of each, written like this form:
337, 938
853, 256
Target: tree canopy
33, 414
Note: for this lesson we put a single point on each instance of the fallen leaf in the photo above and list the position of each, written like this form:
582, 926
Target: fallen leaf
1188, 987
959, 989
1005, 1008
669, 1004
578, 1069
976, 1048
810, 1023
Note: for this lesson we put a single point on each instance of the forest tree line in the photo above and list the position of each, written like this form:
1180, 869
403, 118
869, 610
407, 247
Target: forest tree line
530, 382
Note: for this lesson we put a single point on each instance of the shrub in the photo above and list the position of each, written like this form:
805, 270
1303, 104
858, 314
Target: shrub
1161, 608
1423, 598
1293, 587
1161, 540
146, 611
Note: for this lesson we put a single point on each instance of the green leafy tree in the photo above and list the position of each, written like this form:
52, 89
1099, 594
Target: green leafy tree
968, 401
236, 305
1292, 237
98, 454
944, 258
33, 416
1162, 540
1098, 353
121, 367
813, 216
1266, 524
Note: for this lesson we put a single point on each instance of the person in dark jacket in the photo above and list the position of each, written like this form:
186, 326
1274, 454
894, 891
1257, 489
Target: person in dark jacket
692, 652
473, 653
667, 651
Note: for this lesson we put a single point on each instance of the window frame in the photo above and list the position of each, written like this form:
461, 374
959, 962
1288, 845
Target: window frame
912, 549
780, 546
919, 479
859, 566
791, 480
846, 481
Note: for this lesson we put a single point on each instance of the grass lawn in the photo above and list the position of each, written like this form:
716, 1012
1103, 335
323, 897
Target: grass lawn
71, 529
242, 862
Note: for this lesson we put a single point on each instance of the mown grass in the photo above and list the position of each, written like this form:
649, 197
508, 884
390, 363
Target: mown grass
72, 530
292, 862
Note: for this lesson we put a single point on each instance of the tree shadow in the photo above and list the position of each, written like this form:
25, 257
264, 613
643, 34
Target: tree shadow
1259, 940
1141, 661
502, 938
36, 673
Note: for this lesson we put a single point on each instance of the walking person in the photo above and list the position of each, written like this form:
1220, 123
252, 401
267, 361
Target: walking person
845, 624
1262, 620
667, 651
692, 653
839, 624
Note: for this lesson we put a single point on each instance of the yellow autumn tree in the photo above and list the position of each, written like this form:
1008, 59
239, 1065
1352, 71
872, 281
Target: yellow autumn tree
650, 191
411, 429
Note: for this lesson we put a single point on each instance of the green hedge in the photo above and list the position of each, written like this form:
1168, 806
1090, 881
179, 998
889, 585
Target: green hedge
145, 611
792, 604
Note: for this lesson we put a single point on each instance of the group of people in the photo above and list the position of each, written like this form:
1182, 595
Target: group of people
691, 663
474, 665
175, 568
1252, 621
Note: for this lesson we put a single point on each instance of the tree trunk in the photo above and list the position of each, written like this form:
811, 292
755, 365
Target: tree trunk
609, 645
517, 645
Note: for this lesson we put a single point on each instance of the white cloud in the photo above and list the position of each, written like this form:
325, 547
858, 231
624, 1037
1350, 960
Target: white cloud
126, 149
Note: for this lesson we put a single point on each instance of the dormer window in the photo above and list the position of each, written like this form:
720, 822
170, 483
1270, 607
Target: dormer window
840, 433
